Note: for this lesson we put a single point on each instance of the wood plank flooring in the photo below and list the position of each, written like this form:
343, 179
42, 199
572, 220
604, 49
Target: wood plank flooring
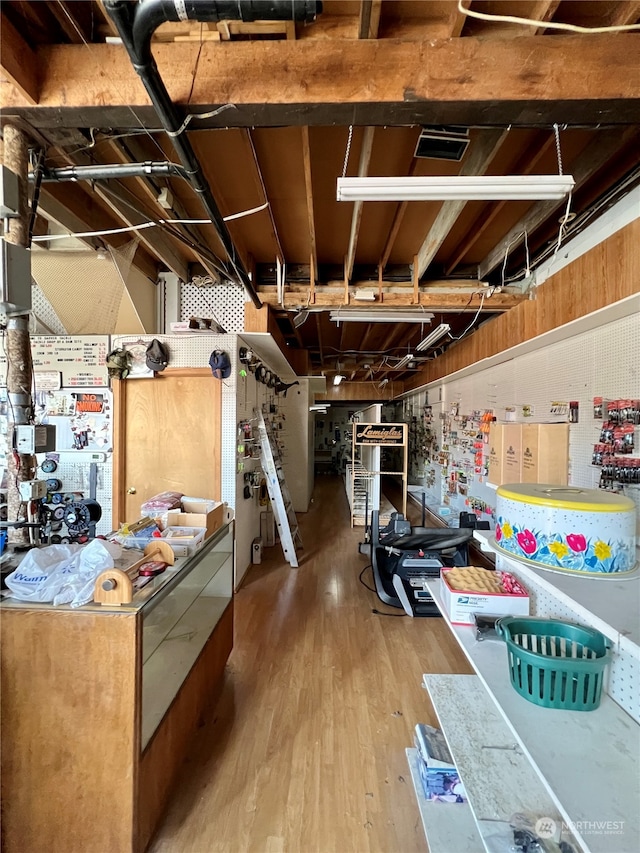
304, 752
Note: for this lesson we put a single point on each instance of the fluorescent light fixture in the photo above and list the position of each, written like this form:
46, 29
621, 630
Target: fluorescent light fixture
483, 187
379, 315
404, 361
439, 332
365, 295
337, 379
322, 408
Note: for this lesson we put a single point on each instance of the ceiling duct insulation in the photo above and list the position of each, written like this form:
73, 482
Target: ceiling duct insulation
136, 23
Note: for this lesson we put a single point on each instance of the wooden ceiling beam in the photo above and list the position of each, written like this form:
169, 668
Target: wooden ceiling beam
603, 147
484, 148
625, 13
439, 302
531, 80
308, 182
18, 62
356, 216
526, 166
262, 190
369, 22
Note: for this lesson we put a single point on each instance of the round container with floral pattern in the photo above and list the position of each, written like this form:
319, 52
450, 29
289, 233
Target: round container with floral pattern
566, 528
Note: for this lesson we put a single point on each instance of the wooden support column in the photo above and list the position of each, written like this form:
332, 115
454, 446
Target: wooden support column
18, 345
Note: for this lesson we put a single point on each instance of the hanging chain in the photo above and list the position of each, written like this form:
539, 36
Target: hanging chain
346, 153
556, 130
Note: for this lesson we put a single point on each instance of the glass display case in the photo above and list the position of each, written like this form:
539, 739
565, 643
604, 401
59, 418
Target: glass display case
115, 694
178, 621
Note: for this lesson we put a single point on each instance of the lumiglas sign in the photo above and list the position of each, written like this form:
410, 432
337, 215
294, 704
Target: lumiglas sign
379, 434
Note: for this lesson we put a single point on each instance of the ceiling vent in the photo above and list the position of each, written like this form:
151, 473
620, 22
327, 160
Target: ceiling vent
442, 143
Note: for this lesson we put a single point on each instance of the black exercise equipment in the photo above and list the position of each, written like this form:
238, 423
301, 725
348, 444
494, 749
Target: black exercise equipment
404, 557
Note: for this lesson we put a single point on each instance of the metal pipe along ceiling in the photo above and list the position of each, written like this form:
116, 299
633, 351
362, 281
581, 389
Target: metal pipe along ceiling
136, 23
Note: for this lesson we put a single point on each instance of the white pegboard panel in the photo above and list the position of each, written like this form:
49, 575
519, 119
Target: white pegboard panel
623, 679
599, 362
223, 303
44, 314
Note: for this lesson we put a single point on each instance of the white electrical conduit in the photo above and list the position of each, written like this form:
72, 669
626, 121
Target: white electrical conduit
547, 25
44, 238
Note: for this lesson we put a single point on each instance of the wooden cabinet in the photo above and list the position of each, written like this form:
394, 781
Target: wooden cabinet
99, 705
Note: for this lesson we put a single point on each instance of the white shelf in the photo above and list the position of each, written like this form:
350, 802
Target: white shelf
447, 826
498, 778
588, 760
610, 605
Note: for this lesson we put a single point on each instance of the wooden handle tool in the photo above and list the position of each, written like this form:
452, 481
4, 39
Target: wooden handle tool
115, 586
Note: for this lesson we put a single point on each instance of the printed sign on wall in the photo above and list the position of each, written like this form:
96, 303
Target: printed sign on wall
382, 434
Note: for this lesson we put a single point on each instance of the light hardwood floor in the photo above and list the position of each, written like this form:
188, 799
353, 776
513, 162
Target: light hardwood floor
304, 752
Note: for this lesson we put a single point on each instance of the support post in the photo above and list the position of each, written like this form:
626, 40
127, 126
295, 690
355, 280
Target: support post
20, 467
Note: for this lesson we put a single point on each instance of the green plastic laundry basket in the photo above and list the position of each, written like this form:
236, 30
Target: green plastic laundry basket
555, 664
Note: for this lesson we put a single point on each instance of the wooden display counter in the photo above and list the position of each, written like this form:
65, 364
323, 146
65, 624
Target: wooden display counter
99, 705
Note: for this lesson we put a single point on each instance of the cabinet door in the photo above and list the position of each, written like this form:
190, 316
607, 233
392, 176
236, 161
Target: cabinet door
167, 436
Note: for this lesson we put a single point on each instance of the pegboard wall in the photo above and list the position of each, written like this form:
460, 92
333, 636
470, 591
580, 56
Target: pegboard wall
42, 312
223, 303
599, 362
291, 411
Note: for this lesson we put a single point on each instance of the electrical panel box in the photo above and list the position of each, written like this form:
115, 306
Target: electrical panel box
15, 279
32, 490
35, 439
9, 193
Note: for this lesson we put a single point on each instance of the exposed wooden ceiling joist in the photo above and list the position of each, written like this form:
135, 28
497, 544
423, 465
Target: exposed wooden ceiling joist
593, 158
356, 217
530, 80
441, 302
477, 163
18, 63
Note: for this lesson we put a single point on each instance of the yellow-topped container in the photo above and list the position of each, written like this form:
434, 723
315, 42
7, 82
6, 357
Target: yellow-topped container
567, 528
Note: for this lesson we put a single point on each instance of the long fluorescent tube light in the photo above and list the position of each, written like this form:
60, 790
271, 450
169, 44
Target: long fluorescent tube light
404, 361
372, 315
483, 187
439, 332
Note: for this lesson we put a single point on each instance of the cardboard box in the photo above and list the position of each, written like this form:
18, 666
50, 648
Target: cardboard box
460, 605
545, 453
496, 459
512, 453
209, 515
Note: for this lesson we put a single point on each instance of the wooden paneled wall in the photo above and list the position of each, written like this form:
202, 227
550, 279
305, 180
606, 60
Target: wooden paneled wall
361, 391
600, 277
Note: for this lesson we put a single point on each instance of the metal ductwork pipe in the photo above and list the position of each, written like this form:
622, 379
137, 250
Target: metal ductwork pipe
136, 24
119, 170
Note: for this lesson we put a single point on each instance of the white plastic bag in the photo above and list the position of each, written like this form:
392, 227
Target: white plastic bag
35, 578
62, 574
95, 557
